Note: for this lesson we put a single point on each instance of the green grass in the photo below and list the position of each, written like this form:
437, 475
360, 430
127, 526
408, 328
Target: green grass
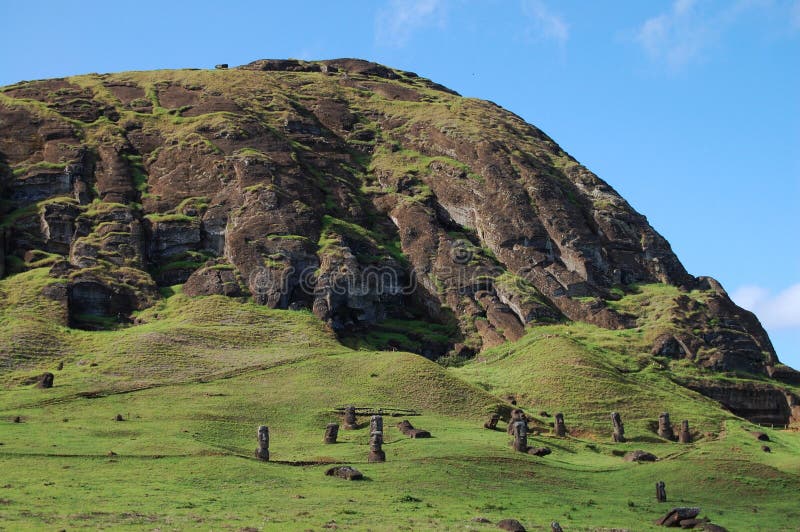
196, 378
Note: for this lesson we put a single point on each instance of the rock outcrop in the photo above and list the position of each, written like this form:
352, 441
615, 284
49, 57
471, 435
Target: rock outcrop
356, 191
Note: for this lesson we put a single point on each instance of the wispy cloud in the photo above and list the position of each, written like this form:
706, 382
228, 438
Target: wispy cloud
794, 14
397, 22
676, 37
689, 29
546, 24
775, 310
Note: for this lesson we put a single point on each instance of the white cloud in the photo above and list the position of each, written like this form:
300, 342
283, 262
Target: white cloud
546, 24
776, 311
396, 23
676, 37
689, 29
794, 15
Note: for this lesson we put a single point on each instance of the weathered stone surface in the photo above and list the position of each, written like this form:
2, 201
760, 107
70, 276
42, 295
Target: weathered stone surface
539, 451
331, 433
345, 472
262, 452
408, 429
619, 429
350, 422
492, 423
46, 380
661, 491
376, 424
216, 279
676, 515
639, 456
512, 525
520, 432
516, 415
759, 403
376, 453
560, 429
665, 427
499, 228
685, 436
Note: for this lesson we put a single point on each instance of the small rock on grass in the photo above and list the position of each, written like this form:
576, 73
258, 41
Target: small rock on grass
512, 525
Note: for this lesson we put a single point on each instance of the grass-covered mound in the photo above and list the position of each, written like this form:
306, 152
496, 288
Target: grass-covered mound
196, 377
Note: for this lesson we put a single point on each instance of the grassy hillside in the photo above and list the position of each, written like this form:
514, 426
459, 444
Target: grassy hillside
198, 375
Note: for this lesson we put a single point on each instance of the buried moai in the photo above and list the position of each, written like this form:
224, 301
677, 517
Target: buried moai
376, 424
46, 380
376, 453
665, 427
350, 422
516, 415
262, 453
520, 431
492, 423
559, 427
331, 433
619, 428
684, 436
408, 429
661, 491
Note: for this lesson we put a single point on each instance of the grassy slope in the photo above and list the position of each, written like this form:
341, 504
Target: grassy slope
200, 374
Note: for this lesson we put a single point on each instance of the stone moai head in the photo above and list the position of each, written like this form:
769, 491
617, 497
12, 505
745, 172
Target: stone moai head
46, 380
664, 426
619, 428
516, 415
376, 424
376, 441
350, 417
331, 433
520, 432
376, 453
262, 453
560, 428
263, 436
685, 436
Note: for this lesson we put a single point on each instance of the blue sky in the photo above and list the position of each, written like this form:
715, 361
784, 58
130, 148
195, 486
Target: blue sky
689, 108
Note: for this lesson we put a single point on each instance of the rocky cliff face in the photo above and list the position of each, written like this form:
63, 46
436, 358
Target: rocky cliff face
364, 194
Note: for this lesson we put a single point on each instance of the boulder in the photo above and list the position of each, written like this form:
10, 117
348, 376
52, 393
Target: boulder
46, 380
345, 472
512, 525
539, 451
676, 515
639, 456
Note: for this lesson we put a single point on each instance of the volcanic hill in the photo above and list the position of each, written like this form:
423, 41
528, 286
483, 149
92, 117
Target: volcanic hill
303, 227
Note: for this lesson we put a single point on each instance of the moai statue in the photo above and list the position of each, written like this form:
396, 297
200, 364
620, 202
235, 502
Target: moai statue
262, 453
560, 428
685, 436
555, 527
376, 424
46, 380
331, 433
492, 423
516, 415
520, 436
664, 426
376, 453
661, 491
350, 422
619, 428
